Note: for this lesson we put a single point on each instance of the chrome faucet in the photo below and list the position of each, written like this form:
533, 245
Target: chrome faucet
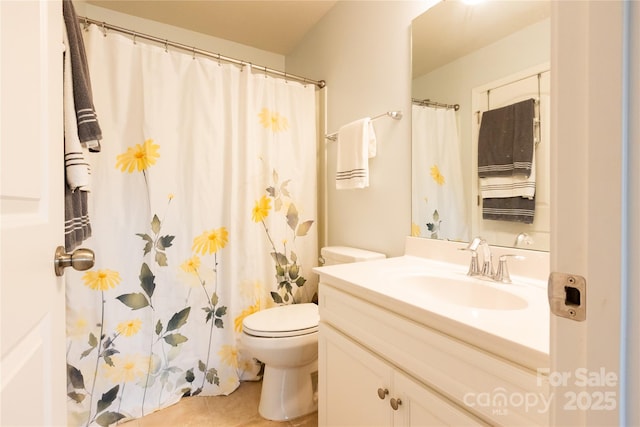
487, 265
501, 275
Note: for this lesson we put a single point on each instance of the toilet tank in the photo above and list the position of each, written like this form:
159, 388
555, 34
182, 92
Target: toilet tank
331, 255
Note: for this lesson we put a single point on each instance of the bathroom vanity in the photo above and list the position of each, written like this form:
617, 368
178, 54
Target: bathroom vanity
414, 341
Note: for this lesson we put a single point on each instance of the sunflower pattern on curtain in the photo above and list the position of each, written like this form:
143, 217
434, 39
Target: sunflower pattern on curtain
203, 208
438, 206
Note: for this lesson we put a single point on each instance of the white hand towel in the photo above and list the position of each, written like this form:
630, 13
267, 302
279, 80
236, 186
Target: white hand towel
356, 145
499, 187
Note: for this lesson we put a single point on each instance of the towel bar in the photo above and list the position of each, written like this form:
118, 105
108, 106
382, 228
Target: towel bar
396, 115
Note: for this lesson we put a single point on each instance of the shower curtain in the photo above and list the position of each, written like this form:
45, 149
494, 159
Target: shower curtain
438, 206
203, 208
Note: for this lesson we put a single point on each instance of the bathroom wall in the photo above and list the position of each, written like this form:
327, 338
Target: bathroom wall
363, 50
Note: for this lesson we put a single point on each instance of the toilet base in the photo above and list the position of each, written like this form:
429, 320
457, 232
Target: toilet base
289, 393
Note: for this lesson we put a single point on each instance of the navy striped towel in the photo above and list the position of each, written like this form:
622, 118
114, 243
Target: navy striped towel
515, 209
89, 130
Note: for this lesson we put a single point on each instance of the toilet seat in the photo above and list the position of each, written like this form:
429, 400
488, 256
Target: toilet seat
283, 321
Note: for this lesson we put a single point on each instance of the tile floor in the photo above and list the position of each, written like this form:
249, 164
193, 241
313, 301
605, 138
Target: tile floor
239, 409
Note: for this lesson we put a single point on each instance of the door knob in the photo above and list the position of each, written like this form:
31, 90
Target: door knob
81, 259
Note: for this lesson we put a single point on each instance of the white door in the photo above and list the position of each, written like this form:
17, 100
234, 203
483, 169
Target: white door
587, 45
32, 364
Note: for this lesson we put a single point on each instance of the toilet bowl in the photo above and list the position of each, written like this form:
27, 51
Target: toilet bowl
285, 339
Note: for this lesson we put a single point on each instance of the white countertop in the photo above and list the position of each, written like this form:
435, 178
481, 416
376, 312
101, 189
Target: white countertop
520, 335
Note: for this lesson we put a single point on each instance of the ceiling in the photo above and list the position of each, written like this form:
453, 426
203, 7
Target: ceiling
274, 26
453, 28
448, 30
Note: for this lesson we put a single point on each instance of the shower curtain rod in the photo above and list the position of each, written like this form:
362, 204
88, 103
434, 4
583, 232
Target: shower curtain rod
396, 115
430, 103
86, 21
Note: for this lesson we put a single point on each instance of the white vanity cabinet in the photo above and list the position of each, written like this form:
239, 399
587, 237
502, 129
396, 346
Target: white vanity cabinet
361, 389
367, 342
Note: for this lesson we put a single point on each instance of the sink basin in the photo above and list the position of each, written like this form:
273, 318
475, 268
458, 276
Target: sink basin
465, 292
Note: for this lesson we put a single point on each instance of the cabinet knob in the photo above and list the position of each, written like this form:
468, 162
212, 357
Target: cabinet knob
382, 393
395, 403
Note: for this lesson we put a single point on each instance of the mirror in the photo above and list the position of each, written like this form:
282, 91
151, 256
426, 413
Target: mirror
477, 57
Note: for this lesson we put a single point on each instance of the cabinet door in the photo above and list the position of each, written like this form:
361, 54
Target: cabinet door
349, 383
422, 406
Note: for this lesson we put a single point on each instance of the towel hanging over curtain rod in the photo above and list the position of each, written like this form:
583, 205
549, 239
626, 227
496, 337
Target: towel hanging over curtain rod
193, 50
396, 115
430, 103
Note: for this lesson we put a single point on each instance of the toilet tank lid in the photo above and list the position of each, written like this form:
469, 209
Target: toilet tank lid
349, 254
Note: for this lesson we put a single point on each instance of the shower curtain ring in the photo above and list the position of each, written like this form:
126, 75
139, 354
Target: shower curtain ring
104, 30
265, 72
194, 53
134, 37
166, 45
219, 64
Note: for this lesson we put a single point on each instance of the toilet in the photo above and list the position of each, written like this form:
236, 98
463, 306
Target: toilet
285, 339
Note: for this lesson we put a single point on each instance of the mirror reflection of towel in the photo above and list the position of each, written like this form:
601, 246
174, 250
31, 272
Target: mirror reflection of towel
510, 186
505, 140
516, 209
506, 163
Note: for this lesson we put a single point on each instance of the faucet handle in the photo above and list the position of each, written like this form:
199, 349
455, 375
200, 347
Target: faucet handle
474, 244
474, 266
502, 274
